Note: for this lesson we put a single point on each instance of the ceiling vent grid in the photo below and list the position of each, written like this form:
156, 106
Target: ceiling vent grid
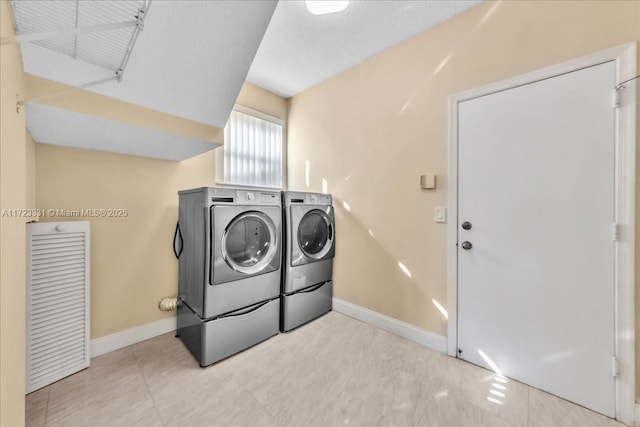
57, 301
101, 33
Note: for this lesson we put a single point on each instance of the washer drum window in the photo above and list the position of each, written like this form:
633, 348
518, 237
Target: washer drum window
315, 234
249, 242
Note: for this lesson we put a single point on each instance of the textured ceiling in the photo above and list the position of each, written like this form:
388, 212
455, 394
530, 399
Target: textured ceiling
190, 60
105, 49
300, 50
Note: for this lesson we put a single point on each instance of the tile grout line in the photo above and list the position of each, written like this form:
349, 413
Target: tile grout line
267, 408
242, 384
144, 378
46, 407
528, 405
264, 407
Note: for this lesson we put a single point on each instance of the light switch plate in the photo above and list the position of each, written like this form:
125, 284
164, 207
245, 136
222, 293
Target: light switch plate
440, 214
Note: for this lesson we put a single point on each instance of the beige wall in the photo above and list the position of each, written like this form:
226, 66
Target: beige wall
372, 130
16, 192
262, 100
132, 263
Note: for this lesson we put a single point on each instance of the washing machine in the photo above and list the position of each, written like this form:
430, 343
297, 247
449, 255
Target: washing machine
228, 243
307, 286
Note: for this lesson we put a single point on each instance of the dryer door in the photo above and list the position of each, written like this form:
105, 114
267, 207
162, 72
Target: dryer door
245, 243
313, 234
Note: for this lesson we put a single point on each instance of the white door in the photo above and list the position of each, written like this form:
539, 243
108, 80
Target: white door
536, 183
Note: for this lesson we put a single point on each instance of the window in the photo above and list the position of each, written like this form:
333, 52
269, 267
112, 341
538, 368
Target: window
252, 153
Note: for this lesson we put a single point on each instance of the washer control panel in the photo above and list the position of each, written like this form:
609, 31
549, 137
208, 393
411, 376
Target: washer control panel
270, 198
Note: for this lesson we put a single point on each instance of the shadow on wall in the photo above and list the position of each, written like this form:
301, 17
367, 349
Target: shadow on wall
366, 274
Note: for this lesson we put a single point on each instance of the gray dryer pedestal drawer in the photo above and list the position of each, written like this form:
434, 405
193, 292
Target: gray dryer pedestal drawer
213, 340
305, 305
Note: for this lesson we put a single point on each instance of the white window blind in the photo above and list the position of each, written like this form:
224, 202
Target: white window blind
252, 150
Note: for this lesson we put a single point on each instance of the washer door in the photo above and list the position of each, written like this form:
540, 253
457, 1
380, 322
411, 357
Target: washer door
314, 236
249, 242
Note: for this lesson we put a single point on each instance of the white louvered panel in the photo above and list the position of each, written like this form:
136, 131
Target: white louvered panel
58, 301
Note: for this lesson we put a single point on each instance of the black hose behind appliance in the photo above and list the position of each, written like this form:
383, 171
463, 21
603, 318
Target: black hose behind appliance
177, 234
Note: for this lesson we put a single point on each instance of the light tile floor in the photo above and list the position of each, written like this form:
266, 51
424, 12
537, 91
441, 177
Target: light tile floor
335, 371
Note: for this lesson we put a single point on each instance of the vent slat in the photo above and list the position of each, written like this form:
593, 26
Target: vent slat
62, 302
52, 373
53, 260
45, 290
57, 277
57, 251
54, 362
60, 324
47, 278
58, 282
46, 248
41, 333
41, 338
61, 239
55, 346
54, 237
58, 297
38, 303
78, 265
77, 335
57, 255
55, 313
62, 348
56, 264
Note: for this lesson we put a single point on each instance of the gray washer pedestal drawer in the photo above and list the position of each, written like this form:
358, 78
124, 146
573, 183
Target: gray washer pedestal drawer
213, 340
305, 305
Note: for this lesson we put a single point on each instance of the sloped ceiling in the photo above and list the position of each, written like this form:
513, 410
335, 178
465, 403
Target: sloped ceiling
57, 126
189, 61
299, 50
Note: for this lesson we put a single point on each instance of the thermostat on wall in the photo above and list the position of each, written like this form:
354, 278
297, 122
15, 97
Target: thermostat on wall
428, 181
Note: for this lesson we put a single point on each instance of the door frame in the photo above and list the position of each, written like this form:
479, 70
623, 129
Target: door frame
624, 57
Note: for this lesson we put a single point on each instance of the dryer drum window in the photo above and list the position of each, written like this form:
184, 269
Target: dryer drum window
249, 242
314, 234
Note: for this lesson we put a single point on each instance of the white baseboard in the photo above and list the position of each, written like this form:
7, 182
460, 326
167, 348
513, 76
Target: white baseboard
127, 337
405, 330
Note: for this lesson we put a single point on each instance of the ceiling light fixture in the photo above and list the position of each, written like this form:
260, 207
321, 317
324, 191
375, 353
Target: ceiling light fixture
324, 7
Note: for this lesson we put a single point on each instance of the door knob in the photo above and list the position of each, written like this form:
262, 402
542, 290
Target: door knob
466, 245
466, 225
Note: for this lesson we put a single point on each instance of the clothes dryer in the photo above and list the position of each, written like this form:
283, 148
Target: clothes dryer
307, 287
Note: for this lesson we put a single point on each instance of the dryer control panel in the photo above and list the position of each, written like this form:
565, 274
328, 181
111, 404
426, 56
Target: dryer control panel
317, 199
257, 197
